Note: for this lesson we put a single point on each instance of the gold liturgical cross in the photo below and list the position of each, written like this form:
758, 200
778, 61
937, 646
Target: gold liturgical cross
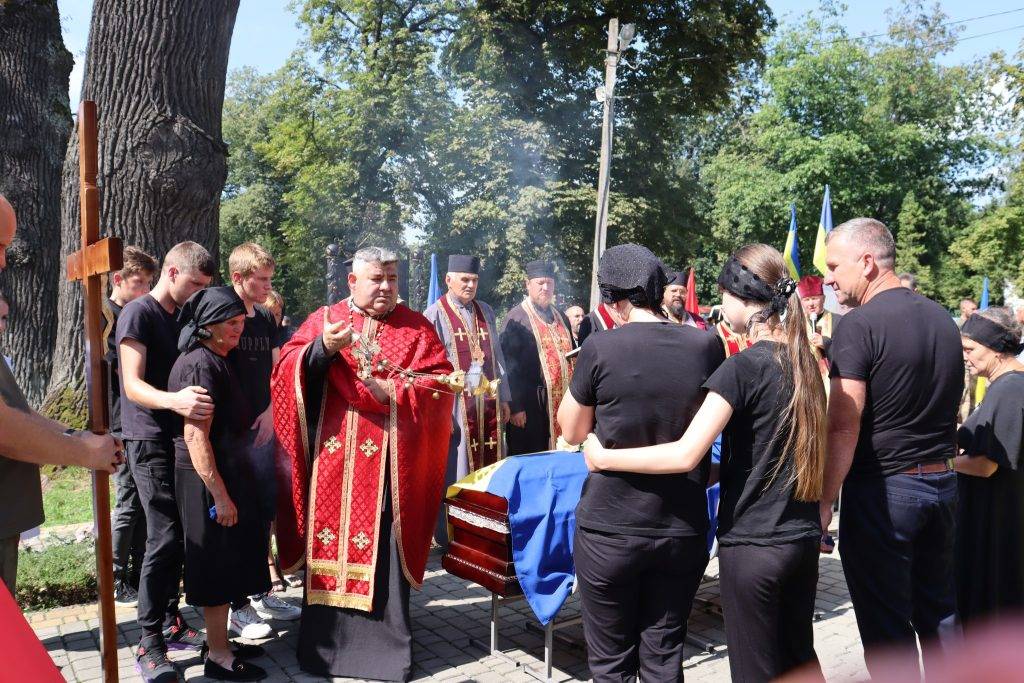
483, 334
332, 444
461, 335
490, 443
361, 540
473, 444
326, 536
369, 448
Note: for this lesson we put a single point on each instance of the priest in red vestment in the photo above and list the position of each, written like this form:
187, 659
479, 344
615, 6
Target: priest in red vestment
363, 399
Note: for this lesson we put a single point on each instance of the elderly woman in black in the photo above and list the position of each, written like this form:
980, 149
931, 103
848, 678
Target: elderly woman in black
990, 511
641, 540
225, 543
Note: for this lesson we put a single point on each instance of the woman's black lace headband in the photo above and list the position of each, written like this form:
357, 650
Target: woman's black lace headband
742, 282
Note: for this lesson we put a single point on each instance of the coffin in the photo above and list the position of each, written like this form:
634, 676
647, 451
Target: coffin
480, 548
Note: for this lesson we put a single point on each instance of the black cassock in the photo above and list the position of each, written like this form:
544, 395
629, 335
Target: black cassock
990, 511
526, 380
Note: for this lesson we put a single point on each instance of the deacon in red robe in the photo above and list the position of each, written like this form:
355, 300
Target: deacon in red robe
467, 328
363, 400
535, 339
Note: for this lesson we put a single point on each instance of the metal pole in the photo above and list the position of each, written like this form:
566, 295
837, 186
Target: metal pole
603, 178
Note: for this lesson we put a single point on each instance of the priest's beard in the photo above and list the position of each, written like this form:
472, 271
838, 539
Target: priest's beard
677, 310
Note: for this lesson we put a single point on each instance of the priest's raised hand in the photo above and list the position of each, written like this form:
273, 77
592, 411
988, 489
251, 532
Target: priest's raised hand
337, 335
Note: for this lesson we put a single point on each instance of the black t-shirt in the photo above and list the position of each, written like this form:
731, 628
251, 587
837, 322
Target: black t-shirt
996, 428
907, 349
644, 381
756, 507
254, 359
232, 416
146, 321
115, 375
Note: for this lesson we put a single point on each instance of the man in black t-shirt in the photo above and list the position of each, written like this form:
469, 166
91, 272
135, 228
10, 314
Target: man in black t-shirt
252, 271
147, 343
127, 523
896, 378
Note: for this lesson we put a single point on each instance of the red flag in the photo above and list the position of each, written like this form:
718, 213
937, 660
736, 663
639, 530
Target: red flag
691, 295
25, 658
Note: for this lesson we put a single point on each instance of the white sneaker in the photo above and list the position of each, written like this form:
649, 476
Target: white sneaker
272, 607
248, 624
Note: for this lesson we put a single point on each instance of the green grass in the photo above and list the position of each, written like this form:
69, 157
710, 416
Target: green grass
61, 575
67, 498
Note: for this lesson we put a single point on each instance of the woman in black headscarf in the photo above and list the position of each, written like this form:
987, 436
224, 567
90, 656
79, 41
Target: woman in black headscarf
640, 545
225, 543
990, 510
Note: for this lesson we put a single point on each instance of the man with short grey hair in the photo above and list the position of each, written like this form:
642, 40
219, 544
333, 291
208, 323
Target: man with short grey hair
896, 379
363, 398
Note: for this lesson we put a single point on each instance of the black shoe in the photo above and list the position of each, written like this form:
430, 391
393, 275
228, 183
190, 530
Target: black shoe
125, 595
153, 665
239, 671
240, 650
181, 636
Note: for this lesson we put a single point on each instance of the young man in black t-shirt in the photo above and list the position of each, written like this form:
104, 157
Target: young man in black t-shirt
641, 540
147, 342
252, 271
127, 522
897, 375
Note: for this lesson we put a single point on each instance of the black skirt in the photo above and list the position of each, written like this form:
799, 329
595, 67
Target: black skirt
221, 563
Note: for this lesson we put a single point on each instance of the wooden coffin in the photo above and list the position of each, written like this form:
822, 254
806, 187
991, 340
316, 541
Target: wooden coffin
480, 549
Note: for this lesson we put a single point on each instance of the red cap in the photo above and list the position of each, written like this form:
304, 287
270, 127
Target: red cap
811, 285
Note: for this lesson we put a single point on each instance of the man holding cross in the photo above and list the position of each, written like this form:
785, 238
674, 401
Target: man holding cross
29, 440
467, 328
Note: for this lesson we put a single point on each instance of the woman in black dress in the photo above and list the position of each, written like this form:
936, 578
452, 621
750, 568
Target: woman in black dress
225, 540
990, 511
640, 544
769, 404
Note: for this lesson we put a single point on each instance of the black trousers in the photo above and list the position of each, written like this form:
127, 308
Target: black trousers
768, 600
896, 538
637, 592
152, 464
128, 528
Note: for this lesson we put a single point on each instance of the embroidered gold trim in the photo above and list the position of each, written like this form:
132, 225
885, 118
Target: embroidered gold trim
332, 599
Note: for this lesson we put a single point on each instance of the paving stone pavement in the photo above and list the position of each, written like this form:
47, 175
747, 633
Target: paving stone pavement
447, 615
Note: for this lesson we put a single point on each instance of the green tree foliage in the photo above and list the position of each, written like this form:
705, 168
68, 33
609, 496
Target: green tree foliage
898, 136
452, 126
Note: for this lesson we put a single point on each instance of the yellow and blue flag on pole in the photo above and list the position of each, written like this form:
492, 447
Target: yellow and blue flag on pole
982, 386
791, 253
824, 228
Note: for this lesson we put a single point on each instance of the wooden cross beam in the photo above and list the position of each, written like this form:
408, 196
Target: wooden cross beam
96, 258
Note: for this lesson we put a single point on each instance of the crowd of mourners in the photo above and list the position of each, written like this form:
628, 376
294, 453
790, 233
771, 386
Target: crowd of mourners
814, 412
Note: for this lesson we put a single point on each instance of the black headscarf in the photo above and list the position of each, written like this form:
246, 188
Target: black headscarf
631, 271
991, 334
744, 283
206, 307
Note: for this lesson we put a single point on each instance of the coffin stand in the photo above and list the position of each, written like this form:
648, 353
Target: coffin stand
480, 550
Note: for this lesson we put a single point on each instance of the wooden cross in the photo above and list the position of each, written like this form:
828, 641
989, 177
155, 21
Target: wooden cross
89, 264
460, 334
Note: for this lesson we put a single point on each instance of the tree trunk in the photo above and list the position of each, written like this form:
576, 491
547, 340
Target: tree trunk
35, 123
156, 69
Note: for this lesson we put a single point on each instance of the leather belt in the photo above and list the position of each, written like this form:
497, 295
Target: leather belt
930, 467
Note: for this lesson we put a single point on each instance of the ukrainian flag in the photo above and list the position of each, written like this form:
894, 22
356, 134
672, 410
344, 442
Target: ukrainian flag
791, 253
824, 228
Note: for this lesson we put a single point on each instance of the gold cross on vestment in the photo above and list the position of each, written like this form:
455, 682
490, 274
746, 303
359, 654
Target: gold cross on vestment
483, 334
369, 448
361, 540
474, 444
461, 335
326, 536
490, 443
332, 444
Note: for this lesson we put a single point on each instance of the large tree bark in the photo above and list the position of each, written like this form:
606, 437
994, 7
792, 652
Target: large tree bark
156, 69
35, 123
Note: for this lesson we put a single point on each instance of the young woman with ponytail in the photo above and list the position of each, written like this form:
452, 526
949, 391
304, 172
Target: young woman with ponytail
769, 404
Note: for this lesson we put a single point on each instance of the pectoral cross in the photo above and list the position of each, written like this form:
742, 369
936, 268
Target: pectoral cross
89, 264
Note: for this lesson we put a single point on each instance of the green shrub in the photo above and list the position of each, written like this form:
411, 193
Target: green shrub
60, 575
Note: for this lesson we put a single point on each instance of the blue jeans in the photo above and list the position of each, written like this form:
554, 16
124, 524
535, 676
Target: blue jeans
896, 543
